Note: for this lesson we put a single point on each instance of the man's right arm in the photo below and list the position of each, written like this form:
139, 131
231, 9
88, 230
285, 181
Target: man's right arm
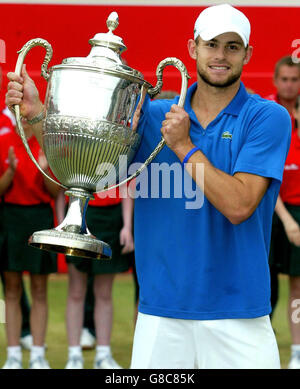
21, 90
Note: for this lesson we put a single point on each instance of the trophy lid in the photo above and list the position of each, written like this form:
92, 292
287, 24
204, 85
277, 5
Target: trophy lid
108, 39
105, 54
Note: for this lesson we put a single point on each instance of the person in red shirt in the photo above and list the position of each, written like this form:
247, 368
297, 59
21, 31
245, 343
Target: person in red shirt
110, 219
287, 84
26, 195
7, 122
286, 230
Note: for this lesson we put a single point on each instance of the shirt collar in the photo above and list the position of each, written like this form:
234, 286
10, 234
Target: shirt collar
233, 108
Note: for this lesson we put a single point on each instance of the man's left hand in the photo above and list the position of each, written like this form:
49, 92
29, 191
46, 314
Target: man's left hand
175, 129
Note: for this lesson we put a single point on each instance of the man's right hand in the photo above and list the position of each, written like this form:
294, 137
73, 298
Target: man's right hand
22, 91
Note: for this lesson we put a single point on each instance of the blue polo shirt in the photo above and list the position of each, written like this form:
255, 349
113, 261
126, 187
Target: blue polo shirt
192, 262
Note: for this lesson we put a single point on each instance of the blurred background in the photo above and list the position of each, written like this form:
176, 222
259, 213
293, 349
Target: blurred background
151, 30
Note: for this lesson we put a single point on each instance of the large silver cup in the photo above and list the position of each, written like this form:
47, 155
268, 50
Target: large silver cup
93, 106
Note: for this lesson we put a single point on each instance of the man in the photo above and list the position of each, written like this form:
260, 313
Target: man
287, 83
203, 273
204, 289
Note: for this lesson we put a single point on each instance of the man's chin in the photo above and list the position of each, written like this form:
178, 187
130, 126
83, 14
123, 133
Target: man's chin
219, 83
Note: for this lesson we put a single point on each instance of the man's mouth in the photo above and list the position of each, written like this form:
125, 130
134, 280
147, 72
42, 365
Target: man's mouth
219, 67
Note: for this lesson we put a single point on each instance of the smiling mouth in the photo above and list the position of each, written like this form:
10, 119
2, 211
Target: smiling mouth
214, 67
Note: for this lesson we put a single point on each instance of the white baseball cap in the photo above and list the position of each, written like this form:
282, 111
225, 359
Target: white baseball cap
219, 19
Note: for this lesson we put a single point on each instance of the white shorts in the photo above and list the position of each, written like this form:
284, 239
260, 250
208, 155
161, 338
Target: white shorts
164, 343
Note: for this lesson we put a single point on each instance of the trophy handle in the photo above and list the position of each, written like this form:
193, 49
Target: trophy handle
152, 92
22, 54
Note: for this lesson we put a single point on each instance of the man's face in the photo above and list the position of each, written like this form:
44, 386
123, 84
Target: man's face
220, 60
287, 82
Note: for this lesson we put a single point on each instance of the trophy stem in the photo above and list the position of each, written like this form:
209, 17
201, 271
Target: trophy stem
75, 219
72, 236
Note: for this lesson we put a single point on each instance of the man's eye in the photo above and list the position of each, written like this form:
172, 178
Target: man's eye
211, 44
233, 47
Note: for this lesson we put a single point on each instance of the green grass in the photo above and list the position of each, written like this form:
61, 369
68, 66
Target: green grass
122, 334
56, 340
280, 322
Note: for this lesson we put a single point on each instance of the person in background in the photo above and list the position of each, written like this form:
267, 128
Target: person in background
27, 195
286, 245
287, 83
88, 333
110, 219
7, 123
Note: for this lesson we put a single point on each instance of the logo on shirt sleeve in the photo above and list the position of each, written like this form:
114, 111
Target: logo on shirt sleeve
4, 130
292, 166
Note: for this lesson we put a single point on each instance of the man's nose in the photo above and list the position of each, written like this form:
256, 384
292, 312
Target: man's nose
219, 53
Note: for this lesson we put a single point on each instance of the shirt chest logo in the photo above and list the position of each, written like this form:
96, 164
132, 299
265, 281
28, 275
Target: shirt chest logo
226, 135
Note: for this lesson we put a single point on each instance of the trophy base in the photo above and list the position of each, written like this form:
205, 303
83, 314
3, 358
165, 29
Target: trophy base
69, 243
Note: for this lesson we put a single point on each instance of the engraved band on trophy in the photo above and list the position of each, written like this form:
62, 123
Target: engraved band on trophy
92, 108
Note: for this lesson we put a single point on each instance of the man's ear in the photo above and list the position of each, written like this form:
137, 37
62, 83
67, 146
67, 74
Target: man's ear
192, 48
249, 53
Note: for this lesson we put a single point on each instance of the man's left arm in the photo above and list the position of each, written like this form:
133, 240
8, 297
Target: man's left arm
235, 196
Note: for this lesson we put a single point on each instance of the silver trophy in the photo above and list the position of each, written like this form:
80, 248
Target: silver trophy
93, 105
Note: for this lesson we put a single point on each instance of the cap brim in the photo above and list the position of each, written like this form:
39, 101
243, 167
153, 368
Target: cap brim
208, 35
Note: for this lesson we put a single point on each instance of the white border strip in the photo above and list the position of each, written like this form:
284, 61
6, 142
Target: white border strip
252, 3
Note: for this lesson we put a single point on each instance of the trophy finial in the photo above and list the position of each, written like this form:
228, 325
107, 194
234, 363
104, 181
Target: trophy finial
112, 21
104, 41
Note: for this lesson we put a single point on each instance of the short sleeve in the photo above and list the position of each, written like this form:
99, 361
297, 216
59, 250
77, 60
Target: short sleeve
264, 149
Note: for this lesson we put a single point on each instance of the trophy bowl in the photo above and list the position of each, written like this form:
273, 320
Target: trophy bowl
92, 108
